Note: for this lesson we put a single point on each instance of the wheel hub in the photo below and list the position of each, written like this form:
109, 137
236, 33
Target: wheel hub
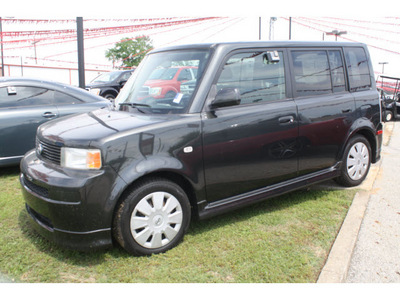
357, 161
156, 220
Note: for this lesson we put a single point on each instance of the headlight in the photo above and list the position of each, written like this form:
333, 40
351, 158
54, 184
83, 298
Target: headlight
83, 159
95, 91
156, 91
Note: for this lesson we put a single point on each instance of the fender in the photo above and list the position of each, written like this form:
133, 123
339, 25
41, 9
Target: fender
157, 165
366, 128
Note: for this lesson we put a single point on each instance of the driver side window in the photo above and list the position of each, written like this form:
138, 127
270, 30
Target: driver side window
257, 77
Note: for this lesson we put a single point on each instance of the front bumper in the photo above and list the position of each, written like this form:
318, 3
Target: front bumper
71, 208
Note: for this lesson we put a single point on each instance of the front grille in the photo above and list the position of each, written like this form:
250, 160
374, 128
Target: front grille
41, 191
48, 151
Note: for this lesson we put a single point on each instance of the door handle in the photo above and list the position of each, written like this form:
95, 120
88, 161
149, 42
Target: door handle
49, 115
286, 120
345, 111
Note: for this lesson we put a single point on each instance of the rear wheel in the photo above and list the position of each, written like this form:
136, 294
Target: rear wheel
388, 115
152, 218
356, 162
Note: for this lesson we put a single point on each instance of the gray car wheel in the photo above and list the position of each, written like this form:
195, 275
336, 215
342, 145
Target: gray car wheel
356, 162
156, 220
152, 218
388, 116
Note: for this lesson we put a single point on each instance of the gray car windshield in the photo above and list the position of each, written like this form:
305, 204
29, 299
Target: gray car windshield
164, 82
106, 77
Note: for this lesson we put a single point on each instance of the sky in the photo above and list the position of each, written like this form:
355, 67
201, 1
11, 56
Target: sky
310, 21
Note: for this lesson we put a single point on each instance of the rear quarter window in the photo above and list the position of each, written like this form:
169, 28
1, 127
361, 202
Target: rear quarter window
358, 69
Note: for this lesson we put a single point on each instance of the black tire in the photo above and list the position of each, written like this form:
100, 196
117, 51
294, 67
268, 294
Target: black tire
109, 97
152, 217
388, 116
356, 162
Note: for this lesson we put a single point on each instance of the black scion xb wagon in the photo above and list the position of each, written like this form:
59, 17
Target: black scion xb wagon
262, 119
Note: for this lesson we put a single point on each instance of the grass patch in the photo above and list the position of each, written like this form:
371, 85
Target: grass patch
284, 239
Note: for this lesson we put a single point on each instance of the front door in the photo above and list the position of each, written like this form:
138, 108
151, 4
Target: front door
254, 144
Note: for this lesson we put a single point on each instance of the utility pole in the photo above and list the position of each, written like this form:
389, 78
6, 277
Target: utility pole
383, 66
290, 28
336, 33
81, 60
34, 47
1, 41
271, 26
259, 28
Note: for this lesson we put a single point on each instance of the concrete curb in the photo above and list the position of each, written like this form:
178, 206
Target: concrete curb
338, 261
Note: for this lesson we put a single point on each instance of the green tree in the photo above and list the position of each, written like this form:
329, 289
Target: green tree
130, 51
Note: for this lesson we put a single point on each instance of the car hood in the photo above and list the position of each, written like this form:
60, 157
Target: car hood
98, 85
84, 129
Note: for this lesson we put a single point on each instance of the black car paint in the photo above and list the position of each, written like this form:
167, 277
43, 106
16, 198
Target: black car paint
109, 89
286, 139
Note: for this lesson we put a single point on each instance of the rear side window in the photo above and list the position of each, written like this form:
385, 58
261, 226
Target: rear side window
257, 76
337, 71
318, 72
311, 73
358, 69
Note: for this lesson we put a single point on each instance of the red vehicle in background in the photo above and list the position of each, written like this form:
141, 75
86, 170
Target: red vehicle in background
166, 82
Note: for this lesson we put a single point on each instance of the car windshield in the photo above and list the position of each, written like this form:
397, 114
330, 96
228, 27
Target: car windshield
163, 73
164, 95
106, 77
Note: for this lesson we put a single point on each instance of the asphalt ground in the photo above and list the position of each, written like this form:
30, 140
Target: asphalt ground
367, 248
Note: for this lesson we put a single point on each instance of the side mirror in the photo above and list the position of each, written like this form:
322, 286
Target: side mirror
226, 97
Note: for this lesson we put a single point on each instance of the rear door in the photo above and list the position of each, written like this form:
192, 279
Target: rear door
253, 144
325, 105
68, 105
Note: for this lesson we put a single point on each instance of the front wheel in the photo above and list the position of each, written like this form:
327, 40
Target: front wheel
152, 218
109, 97
356, 162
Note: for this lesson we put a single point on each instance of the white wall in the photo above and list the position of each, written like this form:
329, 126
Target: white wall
63, 75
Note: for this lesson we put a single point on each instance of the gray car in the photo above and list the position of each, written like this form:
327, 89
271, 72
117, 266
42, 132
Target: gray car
27, 103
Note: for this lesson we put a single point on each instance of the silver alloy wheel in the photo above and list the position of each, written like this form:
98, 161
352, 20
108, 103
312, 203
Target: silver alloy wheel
357, 161
389, 116
156, 220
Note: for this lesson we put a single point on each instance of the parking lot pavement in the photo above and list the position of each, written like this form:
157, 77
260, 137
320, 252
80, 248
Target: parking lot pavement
366, 249
376, 257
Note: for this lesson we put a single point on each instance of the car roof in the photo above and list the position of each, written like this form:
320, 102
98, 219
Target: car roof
47, 84
256, 44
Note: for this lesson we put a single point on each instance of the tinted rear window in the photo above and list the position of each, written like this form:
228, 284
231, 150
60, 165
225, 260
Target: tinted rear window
358, 69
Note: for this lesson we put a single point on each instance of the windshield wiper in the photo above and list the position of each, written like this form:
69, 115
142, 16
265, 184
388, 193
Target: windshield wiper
136, 105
